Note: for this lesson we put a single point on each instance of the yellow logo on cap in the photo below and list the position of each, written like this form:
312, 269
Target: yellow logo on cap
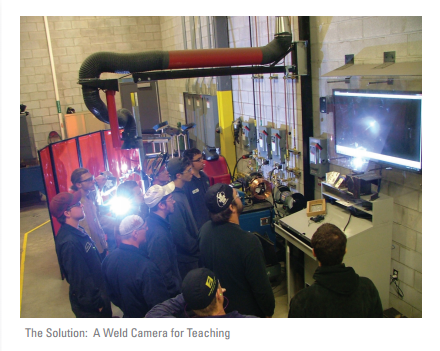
210, 284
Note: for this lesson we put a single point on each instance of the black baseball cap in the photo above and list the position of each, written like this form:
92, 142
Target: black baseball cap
218, 197
199, 288
177, 165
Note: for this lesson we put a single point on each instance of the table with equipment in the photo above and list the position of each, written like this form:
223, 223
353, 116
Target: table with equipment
368, 226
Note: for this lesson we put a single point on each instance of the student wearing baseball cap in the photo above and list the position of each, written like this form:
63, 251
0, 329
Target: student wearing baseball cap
79, 259
202, 296
133, 281
159, 246
236, 255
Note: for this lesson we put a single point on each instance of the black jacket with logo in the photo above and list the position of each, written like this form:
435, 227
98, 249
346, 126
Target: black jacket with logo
337, 292
80, 264
195, 192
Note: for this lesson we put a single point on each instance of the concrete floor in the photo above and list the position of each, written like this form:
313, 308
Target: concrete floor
44, 293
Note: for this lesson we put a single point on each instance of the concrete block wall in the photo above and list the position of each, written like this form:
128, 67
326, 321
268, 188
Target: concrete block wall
367, 38
73, 39
171, 101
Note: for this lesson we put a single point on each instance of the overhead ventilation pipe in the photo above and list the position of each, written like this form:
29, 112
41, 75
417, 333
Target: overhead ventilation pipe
101, 62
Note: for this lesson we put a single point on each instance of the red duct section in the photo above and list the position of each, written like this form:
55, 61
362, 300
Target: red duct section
113, 118
214, 57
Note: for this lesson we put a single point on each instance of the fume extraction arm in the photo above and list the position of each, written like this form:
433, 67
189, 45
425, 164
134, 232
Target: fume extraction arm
101, 62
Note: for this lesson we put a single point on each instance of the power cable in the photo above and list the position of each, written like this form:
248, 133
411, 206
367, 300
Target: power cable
347, 222
397, 286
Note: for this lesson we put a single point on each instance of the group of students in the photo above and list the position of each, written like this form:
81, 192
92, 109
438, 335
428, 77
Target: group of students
169, 252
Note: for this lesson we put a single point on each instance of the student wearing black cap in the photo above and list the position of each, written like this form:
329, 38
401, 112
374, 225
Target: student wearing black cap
236, 256
202, 296
79, 259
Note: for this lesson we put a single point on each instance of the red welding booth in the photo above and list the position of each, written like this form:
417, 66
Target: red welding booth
95, 152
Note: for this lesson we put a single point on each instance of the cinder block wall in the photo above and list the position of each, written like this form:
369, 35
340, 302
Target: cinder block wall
73, 39
368, 38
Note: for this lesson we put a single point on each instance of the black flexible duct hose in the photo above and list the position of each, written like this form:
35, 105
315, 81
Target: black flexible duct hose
126, 119
100, 62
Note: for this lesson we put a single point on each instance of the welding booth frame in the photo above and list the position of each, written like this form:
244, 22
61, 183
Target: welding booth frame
93, 151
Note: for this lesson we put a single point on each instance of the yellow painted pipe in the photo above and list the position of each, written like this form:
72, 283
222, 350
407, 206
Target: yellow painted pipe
225, 119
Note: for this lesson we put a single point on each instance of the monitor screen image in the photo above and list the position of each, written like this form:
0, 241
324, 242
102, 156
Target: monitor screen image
383, 126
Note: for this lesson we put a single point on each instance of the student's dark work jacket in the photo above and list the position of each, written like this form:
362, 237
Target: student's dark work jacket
80, 264
237, 259
184, 229
161, 250
195, 192
337, 292
133, 281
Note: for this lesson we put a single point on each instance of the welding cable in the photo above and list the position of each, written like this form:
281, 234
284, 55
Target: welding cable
270, 75
259, 83
347, 222
253, 80
293, 113
273, 196
243, 157
293, 102
397, 286
285, 109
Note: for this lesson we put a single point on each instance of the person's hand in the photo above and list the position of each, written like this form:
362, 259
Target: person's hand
100, 309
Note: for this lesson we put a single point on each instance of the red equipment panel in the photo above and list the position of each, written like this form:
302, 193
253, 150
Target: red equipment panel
217, 171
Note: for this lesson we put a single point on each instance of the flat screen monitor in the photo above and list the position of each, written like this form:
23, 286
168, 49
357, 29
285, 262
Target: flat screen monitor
383, 126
